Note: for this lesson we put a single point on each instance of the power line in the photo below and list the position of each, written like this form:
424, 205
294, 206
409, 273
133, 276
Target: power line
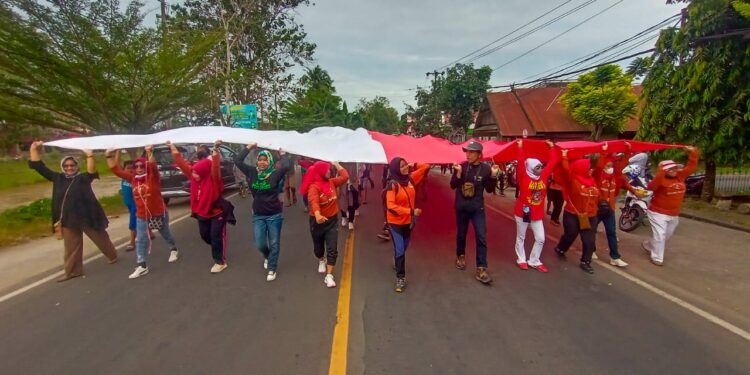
558, 35
578, 61
506, 35
575, 71
532, 31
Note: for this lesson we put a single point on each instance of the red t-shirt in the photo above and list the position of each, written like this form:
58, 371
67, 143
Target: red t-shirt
533, 192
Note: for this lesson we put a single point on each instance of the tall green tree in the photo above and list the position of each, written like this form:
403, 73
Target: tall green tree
457, 94
377, 114
85, 64
313, 104
260, 42
602, 99
697, 91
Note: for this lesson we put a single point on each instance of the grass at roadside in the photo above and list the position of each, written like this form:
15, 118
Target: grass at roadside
26, 223
15, 173
706, 210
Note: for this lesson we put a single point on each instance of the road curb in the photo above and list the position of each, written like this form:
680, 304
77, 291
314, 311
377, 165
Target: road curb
715, 222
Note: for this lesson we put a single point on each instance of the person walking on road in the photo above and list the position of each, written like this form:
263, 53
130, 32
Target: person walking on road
470, 179
365, 181
264, 181
151, 212
324, 212
401, 212
290, 183
529, 207
664, 210
555, 196
609, 180
206, 188
581, 202
126, 188
75, 209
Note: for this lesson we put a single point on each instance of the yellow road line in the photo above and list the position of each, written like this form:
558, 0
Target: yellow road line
341, 331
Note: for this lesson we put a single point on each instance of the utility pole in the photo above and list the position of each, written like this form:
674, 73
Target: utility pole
434, 74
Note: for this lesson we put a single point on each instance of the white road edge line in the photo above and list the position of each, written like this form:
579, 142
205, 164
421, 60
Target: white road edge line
680, 302
57, 274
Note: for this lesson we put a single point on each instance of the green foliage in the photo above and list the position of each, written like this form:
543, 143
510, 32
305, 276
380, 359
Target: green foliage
698, 90
376, 114
742, 7
263, 41
459, 93
41, 208
84, 64
602, 100
314, 104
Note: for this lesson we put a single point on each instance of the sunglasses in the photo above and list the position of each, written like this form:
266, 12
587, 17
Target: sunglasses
69, 165
139, 165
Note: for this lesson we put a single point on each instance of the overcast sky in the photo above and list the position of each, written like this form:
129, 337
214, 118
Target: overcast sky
385, 47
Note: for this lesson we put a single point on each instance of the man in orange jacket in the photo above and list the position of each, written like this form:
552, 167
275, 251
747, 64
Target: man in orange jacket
664, 210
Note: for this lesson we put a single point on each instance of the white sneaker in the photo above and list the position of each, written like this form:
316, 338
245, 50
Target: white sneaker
343, 221
173, 255
351, 226
328, 280
594, 257
356, 212
271, 276
139, 271
322, 266
265, 264
218, 268
618, 262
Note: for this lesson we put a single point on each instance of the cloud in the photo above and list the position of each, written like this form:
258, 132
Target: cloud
381, 48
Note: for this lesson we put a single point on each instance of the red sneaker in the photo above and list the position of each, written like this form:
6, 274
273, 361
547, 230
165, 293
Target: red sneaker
541, 268
523, 266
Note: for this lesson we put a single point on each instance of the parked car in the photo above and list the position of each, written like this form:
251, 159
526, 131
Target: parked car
175, 184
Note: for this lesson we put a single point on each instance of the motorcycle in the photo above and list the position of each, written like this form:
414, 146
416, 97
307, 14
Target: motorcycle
633, 212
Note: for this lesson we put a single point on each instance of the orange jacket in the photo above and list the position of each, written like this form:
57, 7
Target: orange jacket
609, 187
669, 192
401, 200
327, 202
579, 199
146, 192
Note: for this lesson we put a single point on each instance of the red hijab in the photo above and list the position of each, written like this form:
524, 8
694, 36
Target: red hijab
205, 192
581, 171
316, 174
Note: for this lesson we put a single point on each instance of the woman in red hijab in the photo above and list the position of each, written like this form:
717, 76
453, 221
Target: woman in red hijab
206, 188
324, 214
581, 201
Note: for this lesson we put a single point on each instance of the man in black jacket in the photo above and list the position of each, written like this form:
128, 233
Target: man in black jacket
469, 180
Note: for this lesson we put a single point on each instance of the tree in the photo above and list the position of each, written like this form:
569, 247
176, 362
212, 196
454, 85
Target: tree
314, 103
461, 92
602, 100
84, 64
458, 95
261, 41
378, 115
698, 90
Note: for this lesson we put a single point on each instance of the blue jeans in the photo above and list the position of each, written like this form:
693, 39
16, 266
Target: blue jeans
143, 241
611, 229
478, 219
268, 237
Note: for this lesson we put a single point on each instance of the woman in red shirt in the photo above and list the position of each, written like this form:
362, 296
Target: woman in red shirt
529, 208
324, 214
206, 188
400, 198
150, 210
581, 198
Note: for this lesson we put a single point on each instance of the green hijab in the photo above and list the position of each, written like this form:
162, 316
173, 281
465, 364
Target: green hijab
263, 175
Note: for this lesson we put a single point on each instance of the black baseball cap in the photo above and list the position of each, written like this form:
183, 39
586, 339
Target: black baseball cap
473, 146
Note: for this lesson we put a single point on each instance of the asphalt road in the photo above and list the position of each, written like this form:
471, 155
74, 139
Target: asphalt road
180, 319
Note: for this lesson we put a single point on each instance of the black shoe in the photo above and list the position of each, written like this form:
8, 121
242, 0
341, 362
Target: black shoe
587, 267
560, 253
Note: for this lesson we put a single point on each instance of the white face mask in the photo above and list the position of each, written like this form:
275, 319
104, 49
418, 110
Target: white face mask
609, 170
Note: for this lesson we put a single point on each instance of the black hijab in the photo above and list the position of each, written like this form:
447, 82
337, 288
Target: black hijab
394, 167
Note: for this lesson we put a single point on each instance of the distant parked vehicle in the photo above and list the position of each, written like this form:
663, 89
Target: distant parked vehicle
694, 183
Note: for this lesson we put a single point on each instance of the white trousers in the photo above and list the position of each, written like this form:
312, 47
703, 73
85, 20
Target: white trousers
662, 227
537, 227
